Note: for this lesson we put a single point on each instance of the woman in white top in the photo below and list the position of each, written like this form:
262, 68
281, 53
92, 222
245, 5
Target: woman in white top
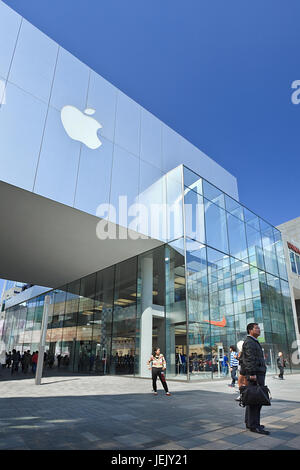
158, 364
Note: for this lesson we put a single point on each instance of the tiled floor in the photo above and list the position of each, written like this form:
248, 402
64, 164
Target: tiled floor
88, 412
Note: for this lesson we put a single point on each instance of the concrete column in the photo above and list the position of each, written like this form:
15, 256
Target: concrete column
146, 316
40, 364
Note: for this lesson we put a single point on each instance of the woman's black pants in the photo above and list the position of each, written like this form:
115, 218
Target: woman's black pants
157, 371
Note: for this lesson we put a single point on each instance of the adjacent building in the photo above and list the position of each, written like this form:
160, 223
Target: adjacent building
291, 241
139, 236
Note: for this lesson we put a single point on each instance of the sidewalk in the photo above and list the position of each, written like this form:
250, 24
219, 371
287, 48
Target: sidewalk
92, 412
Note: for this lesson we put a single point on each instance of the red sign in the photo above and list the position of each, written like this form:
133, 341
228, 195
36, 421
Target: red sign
293, 247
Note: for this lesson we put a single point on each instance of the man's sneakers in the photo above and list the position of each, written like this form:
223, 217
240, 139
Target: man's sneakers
154, 393
168, 394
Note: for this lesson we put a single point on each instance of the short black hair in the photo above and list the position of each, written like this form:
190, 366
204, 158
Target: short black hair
233, 348
250, 327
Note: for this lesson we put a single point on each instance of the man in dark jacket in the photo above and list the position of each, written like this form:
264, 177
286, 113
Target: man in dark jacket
255, 370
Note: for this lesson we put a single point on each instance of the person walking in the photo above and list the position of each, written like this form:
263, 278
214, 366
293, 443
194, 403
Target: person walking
254, 368
34, 361
225, 365
158, 366
280, 365
234, 363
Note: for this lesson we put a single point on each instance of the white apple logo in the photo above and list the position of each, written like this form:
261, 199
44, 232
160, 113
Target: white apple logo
80, 126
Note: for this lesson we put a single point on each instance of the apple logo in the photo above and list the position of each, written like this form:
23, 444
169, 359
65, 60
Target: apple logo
80, 126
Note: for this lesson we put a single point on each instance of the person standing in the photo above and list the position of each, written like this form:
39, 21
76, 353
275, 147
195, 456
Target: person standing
158, 366
15, 361
234, 363
254, 368
280, 365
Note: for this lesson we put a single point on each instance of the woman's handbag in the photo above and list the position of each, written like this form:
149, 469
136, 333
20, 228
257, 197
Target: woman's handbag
255, 395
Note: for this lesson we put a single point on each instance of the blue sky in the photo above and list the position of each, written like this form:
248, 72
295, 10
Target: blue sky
219, 73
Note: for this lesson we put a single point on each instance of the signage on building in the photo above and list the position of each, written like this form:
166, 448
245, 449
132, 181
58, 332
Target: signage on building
294, 248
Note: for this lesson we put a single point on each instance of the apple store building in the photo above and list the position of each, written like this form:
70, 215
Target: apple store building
131, 237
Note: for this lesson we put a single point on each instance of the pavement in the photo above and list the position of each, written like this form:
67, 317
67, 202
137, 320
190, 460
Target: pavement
80, 412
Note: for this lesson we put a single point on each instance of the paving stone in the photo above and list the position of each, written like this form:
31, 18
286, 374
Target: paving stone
239, 439
218, 445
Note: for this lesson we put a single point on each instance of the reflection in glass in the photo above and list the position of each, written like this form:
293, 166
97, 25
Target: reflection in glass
237, 237
9, 26
102, 97
23, 116
151, 135
176, 342
70, 82
213, 194
93, 183
128, 121
216, 228
58, 164
34, 62
194, 215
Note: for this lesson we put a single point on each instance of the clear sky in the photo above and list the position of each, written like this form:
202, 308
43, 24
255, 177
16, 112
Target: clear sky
218, 72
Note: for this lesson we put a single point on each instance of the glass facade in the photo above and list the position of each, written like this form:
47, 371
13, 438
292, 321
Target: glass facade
221, 268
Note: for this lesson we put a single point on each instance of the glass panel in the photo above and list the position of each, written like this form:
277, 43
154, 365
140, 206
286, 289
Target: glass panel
171, 148
102, 97
293, 262
176, 341
150, 308
194, 216
192, 180
255, 250
70, 82
31, 304
55, 328
298, 263
269, 249
9, 26
37, 323
234, 207
128, 121
175, 203
58, 164
22, 116
125, 168
152, 196
124, 318
34, 62
102, 321
237, 237
251, 219
70, 324
84, 360
151, 137
93, 183
213, 194
216, 229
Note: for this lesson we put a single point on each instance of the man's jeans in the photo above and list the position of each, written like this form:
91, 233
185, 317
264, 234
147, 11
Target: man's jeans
233, 375
252, 415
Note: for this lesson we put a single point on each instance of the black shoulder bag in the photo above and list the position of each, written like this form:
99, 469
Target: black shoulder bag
255, 395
